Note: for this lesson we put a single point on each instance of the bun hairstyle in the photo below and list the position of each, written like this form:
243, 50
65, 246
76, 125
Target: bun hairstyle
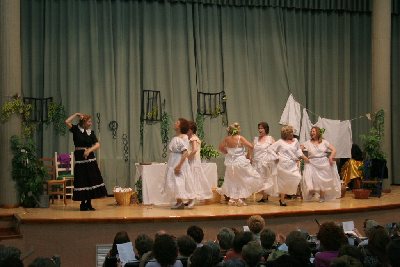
287, 132
233, 129
84, 119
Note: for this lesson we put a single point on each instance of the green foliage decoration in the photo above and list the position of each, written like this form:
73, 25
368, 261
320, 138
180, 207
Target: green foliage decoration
138, 187
208, 151
200, 126
165, 126
372, 141
16, 106
28, 172
57, 117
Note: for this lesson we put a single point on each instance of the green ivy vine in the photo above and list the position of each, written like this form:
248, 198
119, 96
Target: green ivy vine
165, 127
200, 126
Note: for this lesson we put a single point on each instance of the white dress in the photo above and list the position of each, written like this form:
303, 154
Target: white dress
288, 171
201, 184
241, 179
182, 185
264, 164
319, 174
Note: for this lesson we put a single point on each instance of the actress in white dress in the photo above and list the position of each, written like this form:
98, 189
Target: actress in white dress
320, 174
262, 160
179, 181
241, 179
203, 187
288, 152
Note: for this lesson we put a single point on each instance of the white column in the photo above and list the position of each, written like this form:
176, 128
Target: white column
10, 84
381, 34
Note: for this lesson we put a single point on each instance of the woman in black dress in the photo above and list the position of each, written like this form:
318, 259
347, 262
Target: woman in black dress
88, 182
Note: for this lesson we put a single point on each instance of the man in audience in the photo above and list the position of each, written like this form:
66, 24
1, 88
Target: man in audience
143, 244
239, 241
186, 247
225, 238
267, 239
196, 233
252, 253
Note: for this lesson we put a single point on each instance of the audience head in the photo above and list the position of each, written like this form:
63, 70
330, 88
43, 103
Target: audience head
287, 132
216, 252
193, 126
165, 250
331, 236
264, 125
143, 244
120, 238
256, 223
196, 233
233, 129
298, 248
294, 235
378, 239
346, 261
252, 253
225, 238
183, 125
267, 238
43, 262
202, 257
186, 245
10, 257
368, 225
242, 239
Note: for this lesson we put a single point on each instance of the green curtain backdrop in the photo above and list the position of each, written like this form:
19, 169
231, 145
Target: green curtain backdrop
97, 57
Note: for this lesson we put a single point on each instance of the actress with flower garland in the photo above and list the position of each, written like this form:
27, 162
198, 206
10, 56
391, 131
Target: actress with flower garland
88, 182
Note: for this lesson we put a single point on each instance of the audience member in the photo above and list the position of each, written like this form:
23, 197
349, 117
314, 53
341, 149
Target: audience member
239, 241
225, 238
375, 251
186, 246
252, 253
196, 233
10, 257
267, 239
111, 258
352, 251
165, 251
331, 237
298, 254
143, 244
256, 223
202, 257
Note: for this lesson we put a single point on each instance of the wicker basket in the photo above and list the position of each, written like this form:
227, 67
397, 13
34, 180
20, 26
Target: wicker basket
361, 193
123, 198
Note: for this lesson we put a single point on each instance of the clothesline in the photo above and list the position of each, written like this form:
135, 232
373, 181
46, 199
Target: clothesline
367, 115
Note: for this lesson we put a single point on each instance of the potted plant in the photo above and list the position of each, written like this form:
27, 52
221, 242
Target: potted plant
27, 171
374, 167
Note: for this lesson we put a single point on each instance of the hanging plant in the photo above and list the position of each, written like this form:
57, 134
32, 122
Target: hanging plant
138, 187
57, 115
18, 107
165, 127
200, 125
208, 151
27, 170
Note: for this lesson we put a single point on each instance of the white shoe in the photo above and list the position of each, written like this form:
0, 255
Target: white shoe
232, 202
241, 203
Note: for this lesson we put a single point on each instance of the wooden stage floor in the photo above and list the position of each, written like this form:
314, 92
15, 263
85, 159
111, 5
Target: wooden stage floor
74, 235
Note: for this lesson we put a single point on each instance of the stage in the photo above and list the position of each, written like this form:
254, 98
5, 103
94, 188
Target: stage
72, 234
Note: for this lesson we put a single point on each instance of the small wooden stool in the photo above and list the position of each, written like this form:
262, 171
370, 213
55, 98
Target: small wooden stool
54, 190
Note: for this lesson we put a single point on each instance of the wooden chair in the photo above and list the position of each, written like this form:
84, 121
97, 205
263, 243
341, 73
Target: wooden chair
54, 187
64, 170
